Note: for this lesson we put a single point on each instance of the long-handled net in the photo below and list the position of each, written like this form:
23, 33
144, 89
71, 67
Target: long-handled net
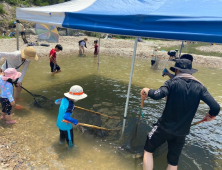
41, 101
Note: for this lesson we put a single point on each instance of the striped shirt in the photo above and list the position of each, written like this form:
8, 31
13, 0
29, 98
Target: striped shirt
14, 60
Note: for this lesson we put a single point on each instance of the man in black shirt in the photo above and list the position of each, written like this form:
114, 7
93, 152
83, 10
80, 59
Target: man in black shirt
183, 93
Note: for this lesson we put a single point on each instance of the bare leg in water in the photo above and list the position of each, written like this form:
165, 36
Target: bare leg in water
148, 162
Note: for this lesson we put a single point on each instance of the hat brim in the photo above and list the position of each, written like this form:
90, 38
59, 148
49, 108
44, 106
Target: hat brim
189, 71
17, 75
76, 97
27, 57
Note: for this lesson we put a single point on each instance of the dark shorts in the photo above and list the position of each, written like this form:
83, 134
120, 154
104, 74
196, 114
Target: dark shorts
54, 67
158, 136
6, 106
64, 136
152, 62
22, 33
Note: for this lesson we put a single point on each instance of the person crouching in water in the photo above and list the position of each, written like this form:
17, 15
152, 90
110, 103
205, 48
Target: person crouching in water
65, 113
96, 51
52, 56
7, 100
82, 44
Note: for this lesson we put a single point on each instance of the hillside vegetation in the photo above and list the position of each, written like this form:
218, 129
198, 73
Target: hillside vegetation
33, 2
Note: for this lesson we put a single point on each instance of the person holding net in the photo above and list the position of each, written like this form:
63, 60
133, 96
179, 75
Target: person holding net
65, 113
184, 93
18, 60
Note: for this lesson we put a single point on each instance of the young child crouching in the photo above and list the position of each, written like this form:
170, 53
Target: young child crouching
65, 113
7, 100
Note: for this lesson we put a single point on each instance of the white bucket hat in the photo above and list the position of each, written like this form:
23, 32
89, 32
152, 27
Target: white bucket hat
76, 93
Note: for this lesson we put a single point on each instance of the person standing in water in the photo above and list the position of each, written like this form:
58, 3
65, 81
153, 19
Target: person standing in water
52, 57
82, 45
96, 50
184, 56
184, 93
65, 113
7, 100
17, 60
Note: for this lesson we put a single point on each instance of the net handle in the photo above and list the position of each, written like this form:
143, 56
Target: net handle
27, 90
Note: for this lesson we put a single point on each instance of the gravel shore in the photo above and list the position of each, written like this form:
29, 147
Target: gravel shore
118, 47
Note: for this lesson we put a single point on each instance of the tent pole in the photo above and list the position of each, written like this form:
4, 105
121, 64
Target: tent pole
181, 49
129, 86
17, 33
98, 51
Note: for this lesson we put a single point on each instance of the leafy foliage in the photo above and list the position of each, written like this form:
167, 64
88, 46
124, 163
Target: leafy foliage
2, 11
35, 2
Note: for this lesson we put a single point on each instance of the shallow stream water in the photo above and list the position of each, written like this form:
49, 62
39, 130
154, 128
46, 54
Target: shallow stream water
106, 88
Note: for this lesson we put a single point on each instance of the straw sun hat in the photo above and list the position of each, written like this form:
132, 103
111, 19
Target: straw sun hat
29, 53
76, 93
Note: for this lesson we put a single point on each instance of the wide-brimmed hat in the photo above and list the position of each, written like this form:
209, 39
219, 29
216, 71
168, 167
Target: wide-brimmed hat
11, 73
29, 53
76, 93
184, 65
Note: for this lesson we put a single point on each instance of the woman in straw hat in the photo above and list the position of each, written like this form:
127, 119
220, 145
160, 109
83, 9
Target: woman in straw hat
65, 112
17, 60
7, 100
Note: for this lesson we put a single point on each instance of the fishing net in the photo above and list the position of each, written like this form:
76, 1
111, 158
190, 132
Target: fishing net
134, 140
43, 102
160, 64
96, 120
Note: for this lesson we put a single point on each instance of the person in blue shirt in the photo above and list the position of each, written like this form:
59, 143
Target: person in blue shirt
7, 100
65, 113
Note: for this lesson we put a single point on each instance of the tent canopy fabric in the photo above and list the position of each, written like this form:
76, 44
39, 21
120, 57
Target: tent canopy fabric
193, 20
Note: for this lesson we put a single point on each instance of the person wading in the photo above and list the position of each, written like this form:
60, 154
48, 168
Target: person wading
17, 60
184, 93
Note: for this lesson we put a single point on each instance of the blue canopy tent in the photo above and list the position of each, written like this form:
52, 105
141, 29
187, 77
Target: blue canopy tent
199, 20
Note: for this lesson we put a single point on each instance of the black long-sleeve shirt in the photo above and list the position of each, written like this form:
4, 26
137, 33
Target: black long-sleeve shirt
183, 98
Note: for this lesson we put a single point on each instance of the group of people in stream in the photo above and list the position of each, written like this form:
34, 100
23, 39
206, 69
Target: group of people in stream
182, 91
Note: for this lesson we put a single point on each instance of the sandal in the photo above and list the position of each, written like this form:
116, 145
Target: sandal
11, 122
18, 107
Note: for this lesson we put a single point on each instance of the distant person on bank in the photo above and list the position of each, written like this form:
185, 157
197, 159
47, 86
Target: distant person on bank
19, 60
183, 93
21, 29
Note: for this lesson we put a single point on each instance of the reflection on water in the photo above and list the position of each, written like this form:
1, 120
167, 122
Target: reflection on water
106, 91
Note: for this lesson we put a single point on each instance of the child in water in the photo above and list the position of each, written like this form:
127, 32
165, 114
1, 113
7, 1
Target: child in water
7, 100
82, 44
96, 51
65, 113
52, 57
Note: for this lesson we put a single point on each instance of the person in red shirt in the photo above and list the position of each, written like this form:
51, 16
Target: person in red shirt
52, 56
96, 51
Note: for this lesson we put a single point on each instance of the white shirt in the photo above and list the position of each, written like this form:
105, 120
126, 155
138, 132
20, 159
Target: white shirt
82, 44
21, 27
14, 60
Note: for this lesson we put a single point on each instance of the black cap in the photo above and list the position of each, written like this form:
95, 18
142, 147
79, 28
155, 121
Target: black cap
184, 65
187, 56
